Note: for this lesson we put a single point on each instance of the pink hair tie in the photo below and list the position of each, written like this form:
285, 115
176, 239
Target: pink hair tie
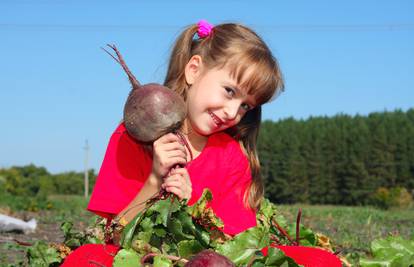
204, 28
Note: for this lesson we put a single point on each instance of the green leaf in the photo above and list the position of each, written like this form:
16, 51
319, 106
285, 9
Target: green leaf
186, 221
202, 235
198, 208
258, 264
204, 214
66, 227
94, 240
140, 242
243, 246
276, 257
187, 248
144, 236
176, 230
156, 241
159, 231
392, 245
281, 220
147, 224
306, 235
127, 258
161, 261
267, 208
73, 243
164, 208
374, 263
128, 232
40, 254
390, 252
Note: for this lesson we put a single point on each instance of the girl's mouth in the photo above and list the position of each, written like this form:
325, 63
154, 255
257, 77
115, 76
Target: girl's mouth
216, 119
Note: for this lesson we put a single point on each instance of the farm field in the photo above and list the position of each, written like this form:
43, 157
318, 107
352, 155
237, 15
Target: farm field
351, 229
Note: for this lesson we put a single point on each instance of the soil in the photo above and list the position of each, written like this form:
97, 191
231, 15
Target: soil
48, 229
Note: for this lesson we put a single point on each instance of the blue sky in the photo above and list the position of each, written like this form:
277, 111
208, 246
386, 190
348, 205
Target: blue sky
58, 88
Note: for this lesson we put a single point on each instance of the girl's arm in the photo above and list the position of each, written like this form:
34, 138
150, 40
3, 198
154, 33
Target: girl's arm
150, 188
167, 153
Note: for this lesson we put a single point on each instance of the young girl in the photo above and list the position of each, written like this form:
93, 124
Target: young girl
224, 73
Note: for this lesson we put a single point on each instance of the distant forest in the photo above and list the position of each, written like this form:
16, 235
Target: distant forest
337, 160
321, 160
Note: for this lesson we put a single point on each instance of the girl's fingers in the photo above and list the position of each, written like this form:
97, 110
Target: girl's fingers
177, 181
176, 160
185, 179
183, 173
173, 146
180, 171
168, 138
177, 184
179, 192
174, 179
175, 191
177, 153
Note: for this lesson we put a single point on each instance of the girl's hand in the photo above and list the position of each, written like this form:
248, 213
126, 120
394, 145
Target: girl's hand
178, 182
167, 152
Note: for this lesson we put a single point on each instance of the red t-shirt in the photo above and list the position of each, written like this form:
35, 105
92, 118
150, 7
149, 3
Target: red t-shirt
222, 167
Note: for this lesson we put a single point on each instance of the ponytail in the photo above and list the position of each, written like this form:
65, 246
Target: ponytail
180, 55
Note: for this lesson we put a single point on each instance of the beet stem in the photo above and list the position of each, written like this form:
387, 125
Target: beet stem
111, 55
282, 231
120, 60
184, 141
274, 238
22, 243
298, 227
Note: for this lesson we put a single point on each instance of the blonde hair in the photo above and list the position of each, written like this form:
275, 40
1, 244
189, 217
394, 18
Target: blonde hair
239, 48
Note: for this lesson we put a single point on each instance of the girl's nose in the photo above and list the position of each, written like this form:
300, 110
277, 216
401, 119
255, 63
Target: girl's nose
231, 110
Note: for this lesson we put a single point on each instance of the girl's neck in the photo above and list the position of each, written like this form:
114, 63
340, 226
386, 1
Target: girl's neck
196, 141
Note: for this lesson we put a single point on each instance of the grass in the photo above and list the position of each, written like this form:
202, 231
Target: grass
353, 228
69, 207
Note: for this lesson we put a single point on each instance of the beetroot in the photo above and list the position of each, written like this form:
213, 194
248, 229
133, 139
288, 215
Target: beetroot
151, 110
207, 258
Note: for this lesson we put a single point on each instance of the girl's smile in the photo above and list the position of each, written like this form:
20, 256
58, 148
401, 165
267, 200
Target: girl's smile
217, 121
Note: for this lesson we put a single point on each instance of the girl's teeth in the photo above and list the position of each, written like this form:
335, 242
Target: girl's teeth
214, 119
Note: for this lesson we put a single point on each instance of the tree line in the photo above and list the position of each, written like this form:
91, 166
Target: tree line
321, 160
337, 160
33, 181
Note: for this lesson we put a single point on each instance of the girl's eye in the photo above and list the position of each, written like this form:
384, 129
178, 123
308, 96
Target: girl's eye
230, 91
246, 107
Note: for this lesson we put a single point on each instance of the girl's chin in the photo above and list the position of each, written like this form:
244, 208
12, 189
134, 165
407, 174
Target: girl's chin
206, 131
208, 128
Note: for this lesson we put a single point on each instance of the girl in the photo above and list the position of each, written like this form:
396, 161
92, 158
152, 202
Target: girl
224, 73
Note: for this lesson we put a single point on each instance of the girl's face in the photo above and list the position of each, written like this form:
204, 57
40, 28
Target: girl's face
214, 101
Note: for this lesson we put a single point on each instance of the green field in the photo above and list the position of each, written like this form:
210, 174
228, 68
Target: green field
351, 229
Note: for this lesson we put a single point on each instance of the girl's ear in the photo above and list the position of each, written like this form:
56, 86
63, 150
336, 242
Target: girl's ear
193, 69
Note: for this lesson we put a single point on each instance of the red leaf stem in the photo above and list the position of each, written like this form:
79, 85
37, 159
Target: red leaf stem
298, 227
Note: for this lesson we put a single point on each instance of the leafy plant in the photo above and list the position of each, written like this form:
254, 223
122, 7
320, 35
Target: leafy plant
393, 251
169, 232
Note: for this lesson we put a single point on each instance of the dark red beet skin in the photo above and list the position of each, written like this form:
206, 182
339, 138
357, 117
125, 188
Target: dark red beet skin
208, 258
151, 110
